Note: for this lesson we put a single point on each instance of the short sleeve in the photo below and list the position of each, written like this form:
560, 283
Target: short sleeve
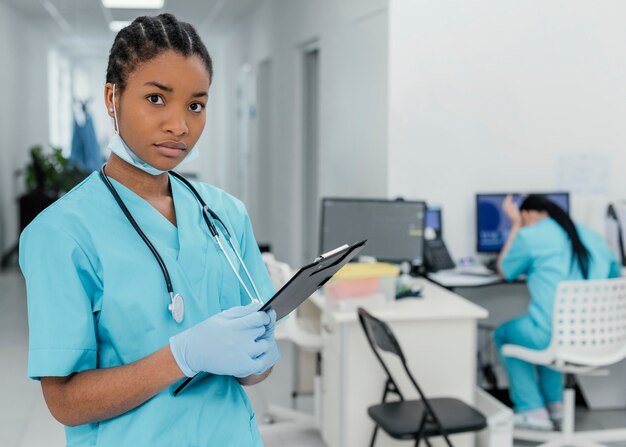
517, 260
60, 286
254, 262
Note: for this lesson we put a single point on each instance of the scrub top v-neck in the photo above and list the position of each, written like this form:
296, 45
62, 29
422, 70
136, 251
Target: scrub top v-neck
97, 299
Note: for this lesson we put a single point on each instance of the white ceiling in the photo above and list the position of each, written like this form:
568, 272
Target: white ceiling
83, 24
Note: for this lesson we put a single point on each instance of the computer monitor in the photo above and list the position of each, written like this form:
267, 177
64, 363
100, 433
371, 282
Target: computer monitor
493, 226
394, 229
433, 221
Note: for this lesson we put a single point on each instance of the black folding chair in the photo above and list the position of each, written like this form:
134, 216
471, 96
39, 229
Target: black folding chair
418, 419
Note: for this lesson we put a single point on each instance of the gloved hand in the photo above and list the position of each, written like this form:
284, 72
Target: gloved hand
232, 342
271, 356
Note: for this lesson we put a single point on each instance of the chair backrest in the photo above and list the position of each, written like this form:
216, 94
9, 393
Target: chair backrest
294, 328
589, 322
380, 336
279, 272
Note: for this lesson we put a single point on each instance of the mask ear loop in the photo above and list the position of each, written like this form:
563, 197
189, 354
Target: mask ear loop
117, 126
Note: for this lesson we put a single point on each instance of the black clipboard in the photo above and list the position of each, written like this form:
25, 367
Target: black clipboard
310, 278
300, 287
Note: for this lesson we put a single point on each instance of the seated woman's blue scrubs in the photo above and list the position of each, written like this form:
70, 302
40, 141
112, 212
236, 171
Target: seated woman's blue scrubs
97, 299
543, 252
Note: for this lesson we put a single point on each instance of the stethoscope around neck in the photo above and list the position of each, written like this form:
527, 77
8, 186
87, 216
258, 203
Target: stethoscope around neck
177, 304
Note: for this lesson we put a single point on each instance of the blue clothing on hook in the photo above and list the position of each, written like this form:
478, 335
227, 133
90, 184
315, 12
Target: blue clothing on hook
97, 299
85, 148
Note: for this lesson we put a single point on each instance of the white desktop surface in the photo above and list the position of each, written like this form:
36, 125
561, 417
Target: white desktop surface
436, 302
438, 336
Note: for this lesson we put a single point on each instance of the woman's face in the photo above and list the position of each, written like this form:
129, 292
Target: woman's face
161, 113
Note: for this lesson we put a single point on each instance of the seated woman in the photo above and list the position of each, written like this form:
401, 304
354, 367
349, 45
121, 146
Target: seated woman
547, 247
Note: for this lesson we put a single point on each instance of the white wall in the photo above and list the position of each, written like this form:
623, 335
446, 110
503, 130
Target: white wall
24, 115
352, 39
487, 95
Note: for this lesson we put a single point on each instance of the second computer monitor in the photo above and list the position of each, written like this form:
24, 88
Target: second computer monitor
433, 222
394, 229
493, 226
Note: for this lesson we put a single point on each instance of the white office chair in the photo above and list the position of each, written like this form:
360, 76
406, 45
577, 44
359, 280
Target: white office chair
302, 333
588, 332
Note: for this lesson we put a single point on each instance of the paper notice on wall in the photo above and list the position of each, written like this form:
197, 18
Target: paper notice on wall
584, 173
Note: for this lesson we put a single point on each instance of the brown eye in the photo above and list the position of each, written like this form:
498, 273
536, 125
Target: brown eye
196, 107
155, 99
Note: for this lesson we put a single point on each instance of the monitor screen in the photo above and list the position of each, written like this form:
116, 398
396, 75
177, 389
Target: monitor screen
394, 229
493, 226
433, 221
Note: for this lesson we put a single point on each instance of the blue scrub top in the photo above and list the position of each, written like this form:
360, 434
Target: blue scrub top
543, 252
97, 299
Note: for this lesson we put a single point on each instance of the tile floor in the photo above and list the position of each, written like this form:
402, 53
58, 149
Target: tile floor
25, 421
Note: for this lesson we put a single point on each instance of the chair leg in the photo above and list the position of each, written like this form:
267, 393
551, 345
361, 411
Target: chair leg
427, 442
445, 436
374, 433
569, 408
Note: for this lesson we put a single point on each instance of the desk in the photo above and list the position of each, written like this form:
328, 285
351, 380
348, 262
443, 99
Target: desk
438, 336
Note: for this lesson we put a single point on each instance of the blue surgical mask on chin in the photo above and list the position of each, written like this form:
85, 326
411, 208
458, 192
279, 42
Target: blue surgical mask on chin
119, 147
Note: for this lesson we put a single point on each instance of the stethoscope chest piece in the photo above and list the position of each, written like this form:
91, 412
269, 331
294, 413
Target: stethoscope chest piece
177, 308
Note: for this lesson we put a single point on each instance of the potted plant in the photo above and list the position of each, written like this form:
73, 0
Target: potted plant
48, 176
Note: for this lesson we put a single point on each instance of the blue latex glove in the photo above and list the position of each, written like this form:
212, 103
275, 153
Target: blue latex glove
232, 342
272, 354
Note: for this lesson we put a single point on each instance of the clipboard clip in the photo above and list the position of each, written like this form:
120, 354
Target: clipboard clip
330, 253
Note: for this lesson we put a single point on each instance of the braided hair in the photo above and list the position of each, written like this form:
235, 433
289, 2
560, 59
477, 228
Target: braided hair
541, 203
147, 37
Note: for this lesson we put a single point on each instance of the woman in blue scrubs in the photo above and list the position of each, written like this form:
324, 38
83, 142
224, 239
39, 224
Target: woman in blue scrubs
104, 342
547, 247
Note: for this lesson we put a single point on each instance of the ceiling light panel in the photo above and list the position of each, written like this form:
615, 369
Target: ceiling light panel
133, 4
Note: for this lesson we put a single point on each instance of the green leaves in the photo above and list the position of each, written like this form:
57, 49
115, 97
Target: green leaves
51, 173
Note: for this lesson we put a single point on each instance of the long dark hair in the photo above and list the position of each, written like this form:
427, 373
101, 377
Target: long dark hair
538, 202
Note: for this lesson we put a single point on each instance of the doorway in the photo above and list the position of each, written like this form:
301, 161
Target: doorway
310, 155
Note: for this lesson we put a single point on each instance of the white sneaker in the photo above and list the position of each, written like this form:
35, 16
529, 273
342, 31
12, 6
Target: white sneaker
556, 411
533, 420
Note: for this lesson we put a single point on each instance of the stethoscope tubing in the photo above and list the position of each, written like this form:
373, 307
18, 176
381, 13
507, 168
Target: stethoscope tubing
206, 211
207, 214
133, 222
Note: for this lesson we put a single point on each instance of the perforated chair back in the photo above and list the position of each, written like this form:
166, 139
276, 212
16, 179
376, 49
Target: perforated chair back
589, 322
